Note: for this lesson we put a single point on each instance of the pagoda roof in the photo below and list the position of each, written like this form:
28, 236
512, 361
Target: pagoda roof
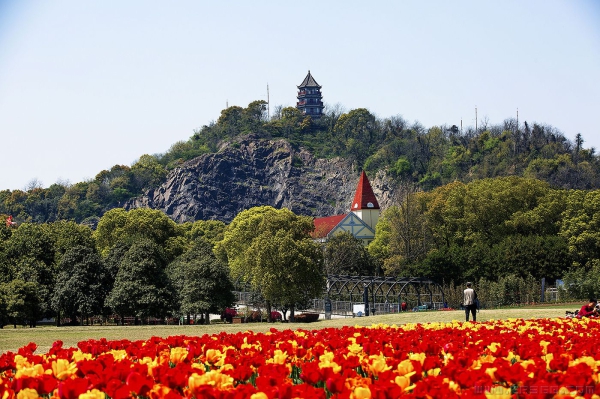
323, 226
364, 197
309, 81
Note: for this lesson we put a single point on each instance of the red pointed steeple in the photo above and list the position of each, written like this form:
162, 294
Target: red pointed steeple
364, 197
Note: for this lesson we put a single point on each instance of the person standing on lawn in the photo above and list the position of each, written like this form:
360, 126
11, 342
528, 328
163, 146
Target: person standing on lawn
470, 302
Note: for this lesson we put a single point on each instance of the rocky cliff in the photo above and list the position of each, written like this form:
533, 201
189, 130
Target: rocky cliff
252, 172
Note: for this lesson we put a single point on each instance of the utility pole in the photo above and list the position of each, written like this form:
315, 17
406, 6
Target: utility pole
268, 109
516, 134
515, 138
476, 119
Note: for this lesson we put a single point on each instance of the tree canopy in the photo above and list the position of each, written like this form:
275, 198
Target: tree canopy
81, 284
201, 282
489, 228
141, 287
346, 255
272, 250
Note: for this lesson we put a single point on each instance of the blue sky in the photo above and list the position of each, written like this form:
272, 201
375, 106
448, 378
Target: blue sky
85, 85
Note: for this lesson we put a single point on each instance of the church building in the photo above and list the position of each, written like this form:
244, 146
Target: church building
360, 221
310, 100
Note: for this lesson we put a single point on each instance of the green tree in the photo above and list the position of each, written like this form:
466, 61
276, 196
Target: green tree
5, 231
147, 172
112, 261
532, 255
287, 124
255, 113
346, 255
202, 282
72, 205
30, 254
379, 248
583, 282
357, 132
284, 269
249, 233
484, 210
291, 114
3, 305
68, 234
22, 302
110, 229
230, 121
32, 241
142, 288
580, 225
238, 236
209, 230
41, 275
80, 288
120, 225
409, 238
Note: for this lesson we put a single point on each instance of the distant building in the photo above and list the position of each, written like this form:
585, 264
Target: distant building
361, 221
310, 100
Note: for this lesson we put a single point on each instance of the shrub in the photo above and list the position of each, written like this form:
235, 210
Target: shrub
228, 314
276, 316
256, 316
306, 317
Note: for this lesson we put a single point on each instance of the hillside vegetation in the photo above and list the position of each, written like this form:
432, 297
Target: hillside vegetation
410, 153
504, 207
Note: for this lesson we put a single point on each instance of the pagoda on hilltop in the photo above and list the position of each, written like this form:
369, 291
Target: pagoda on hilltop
360, 221
310, 100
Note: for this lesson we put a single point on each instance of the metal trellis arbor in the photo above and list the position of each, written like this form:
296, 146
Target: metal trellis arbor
382, 294
372, 294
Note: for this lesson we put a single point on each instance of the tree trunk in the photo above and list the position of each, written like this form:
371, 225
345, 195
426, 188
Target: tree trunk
269, 312
292, 317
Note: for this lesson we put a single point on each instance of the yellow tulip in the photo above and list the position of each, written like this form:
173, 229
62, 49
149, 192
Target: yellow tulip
378, 364
34, 371
93, 394
63, 369
405, 367
212, 378
361, 393
27, 393
178, 355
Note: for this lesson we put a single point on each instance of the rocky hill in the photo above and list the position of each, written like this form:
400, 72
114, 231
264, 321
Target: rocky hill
253, 172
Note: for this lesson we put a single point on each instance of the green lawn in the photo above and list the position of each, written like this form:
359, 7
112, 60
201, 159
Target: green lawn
12, 339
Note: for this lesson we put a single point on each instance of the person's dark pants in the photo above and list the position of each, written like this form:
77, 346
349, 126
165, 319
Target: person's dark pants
473, 310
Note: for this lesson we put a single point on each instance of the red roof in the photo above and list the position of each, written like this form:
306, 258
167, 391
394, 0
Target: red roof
364, 197
323, 226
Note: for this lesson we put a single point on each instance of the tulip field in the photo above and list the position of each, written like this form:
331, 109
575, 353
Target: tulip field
513, 358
